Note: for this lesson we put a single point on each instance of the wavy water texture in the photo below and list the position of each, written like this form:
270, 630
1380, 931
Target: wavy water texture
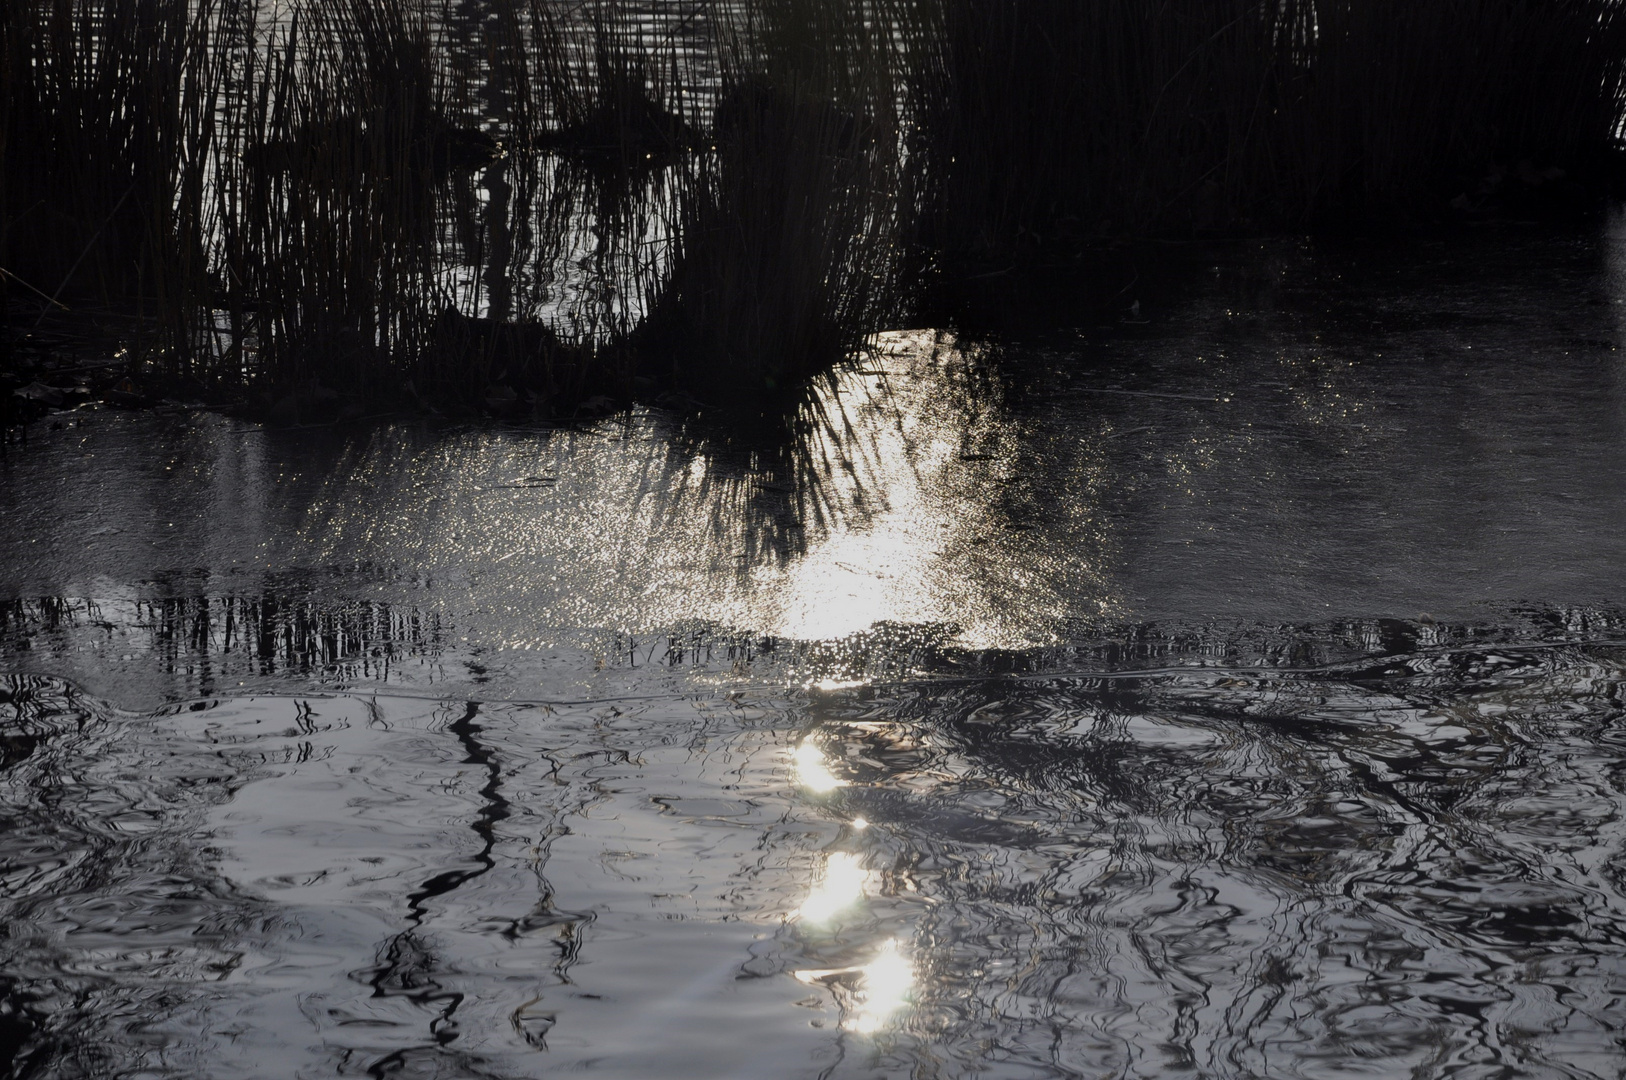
1409, 866
1236, 694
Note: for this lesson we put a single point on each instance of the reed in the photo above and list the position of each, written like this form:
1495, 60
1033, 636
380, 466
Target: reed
1409, 106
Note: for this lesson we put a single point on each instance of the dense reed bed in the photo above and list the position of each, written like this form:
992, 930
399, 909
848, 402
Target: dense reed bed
526, 206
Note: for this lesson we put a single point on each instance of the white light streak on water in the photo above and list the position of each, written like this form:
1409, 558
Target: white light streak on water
843, 886
811, 771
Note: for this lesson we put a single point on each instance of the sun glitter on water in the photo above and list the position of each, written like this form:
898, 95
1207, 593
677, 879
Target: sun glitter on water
842, 887
887, 982
812, 772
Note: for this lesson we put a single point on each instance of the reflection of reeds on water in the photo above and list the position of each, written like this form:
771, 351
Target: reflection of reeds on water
212, 639
270, 634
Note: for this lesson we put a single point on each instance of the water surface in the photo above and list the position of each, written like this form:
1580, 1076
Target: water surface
1233, 694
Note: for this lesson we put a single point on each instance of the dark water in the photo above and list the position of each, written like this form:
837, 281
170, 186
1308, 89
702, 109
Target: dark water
1237, 694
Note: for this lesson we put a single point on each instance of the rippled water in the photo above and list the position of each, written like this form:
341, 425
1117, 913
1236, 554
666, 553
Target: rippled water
1238, 695
1408, 867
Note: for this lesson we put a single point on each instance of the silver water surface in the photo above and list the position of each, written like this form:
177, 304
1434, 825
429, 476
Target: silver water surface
1236, 694
1411, 867
1316, 435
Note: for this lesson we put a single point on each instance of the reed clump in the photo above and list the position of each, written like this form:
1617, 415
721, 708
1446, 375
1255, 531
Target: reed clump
327, 208
615, 93
1484, 103
775, 272
785, 247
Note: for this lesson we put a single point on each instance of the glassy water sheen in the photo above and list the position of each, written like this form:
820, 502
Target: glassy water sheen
1235, 695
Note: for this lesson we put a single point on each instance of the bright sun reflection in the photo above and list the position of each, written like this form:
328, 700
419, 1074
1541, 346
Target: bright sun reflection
900, 498
811, 771
887, 980
883, 987
837, 684
842, 887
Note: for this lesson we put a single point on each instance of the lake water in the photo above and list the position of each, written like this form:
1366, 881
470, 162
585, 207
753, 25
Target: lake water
1236, 693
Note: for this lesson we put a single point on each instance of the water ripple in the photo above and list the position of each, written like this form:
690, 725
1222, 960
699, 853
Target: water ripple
1408, 865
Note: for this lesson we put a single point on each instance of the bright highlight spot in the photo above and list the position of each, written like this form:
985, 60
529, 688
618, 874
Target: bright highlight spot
860, 824
887, 980
811, 771
842, 887
838, 684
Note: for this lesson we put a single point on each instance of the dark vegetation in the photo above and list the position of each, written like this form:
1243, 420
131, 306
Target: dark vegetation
536, 208
1043, 118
